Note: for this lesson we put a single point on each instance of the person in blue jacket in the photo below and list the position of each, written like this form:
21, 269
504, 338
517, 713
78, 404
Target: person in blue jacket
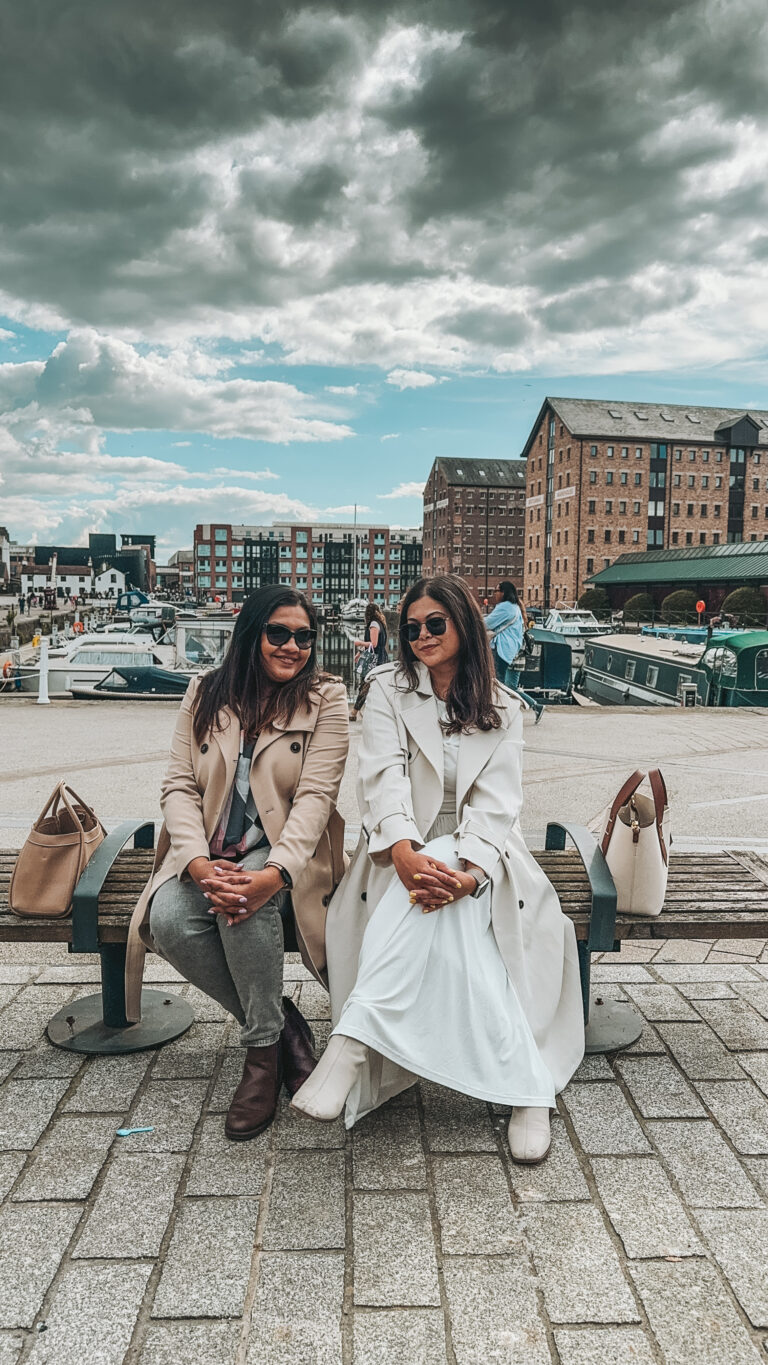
505, 624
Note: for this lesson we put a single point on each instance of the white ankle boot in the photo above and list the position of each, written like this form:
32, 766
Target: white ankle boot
324, 1094
529, 1135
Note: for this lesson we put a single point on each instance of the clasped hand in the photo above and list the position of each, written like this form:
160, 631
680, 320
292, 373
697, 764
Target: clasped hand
430, 883
232, 890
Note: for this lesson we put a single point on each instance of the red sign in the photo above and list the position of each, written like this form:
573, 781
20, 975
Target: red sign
701, 606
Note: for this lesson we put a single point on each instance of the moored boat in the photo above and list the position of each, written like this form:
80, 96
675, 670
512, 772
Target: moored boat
730, 670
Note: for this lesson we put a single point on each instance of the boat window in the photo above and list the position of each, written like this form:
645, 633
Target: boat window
761, 669
722, 661
589, 655
653, 675
629, 671
114, 681
609, 661
111, 658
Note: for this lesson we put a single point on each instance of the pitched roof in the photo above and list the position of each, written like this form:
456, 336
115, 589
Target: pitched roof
475, 473
745, 562
684, 422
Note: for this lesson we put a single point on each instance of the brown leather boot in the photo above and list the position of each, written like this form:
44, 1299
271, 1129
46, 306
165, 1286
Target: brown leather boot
254, 1103
298, 1044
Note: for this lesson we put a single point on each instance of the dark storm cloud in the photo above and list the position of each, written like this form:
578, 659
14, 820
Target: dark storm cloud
491, 175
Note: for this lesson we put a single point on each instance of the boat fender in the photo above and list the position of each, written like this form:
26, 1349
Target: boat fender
7, 668
77, 627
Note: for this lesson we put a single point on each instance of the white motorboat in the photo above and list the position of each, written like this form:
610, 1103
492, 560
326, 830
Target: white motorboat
576, 626
354, 609
87, 663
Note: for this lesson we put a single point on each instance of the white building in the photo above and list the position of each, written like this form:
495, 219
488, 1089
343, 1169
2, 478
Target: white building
71, 580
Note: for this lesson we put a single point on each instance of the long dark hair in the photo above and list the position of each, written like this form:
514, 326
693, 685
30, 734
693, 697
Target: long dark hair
240, 683
470, 701
509, 592
374, 613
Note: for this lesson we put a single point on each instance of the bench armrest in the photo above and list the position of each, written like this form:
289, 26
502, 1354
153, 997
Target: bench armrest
602, 920
85, 902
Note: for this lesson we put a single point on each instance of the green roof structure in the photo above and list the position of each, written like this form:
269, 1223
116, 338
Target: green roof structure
738, 564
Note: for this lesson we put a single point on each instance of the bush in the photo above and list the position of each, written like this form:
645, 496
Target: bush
747, 606
679, 608
639, 607
596, 601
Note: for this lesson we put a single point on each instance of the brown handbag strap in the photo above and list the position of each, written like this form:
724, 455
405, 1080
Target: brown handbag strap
622, 796
52, 804
660, 801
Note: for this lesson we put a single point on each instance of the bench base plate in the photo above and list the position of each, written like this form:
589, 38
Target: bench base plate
611, 1026
80, 1027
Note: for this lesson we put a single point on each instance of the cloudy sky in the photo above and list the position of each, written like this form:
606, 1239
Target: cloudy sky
264, 260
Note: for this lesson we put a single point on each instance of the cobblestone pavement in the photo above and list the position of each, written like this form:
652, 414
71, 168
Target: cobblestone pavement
413, 1239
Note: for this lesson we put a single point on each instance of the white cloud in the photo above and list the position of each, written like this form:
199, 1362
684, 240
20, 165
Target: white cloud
405, 490
180, 444
411, 379
347, 511
256, 475
345, 390
390, 436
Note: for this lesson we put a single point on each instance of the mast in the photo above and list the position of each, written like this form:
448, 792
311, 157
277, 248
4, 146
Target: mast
354, 571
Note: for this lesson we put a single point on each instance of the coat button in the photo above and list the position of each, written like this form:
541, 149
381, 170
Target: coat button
326, 900
521, 905
203, 748
363, 895
409, 756
296, 747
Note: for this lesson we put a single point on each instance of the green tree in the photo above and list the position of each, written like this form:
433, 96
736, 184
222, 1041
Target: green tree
596, 601
679, 608
747, 606
639, 607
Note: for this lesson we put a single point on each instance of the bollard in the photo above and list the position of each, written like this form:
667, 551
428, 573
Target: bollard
42, 692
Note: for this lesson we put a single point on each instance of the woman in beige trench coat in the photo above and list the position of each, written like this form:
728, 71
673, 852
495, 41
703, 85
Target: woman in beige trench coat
251, 835
492, 1004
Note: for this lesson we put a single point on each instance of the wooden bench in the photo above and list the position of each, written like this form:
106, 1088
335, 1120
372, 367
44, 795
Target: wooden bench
710, 896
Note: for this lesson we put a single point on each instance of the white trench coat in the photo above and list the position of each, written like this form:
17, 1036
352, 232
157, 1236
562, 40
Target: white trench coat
400, 791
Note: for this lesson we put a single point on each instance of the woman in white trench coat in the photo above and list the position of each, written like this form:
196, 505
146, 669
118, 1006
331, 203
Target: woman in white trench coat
448, 954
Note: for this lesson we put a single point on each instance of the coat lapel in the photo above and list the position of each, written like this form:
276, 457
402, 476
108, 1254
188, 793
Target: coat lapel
419, 713
475, 749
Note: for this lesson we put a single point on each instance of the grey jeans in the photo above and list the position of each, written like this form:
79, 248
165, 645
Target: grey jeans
239, 966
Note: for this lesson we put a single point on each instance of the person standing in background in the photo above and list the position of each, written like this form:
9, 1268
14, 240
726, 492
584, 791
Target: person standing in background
373, 644
506, 624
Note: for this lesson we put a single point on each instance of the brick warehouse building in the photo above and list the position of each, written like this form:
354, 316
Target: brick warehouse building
331, 562
474, 515
605, 478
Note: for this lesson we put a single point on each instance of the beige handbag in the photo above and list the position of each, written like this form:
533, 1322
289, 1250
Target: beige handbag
63, 838
634, 836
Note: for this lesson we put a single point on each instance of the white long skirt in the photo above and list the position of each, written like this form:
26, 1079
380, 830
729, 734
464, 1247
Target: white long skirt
432, 994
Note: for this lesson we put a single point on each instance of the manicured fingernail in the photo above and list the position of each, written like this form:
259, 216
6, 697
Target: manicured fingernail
211, 912
242, 912
417, 877
242, 899
450, 898
207, 897
457, 884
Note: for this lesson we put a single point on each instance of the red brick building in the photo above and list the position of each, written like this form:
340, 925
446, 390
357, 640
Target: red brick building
605, 478
474, 513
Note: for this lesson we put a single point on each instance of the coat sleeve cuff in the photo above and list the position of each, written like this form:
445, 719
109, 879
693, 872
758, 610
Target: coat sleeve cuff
475, 850
185, 854
390, 831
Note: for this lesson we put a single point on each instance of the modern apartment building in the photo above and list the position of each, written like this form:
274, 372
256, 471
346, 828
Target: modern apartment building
474, 521
606, 478
329, 561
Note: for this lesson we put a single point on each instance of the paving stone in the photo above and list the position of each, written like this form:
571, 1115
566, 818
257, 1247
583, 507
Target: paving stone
682, 950
474, 1206
604, 1346
661, 1002
494, 1312
171, 1109
45, 1062
306, 1206
294, 1132
314, 1001
33, 1239
762, 969
708, 1174
36, 953
699, 1052
579, 1271
741, 1111
228, 1080
208, 1262
617, 972
756, 995
92, 1316
11, 973
394, 1250
740, 958
738, 1239
297, 1310
736, 1023
23, 1022
455, 1123
749, 947
205, 1007
10, 1346
9, 1060
157, 970
294, 969
707, 971
387, 1152
26, 1108
107, 1085
399, 1336
7, 992
643, 1207
658, 1088
594, 1066
52, 996
559, 1177
701, 990
68, 1160
195, 1053
223, 1167
756, 1065
10, 1165
179, 1343
688, 1306
648, 1042
604, 1122
758, 1169
74, 972
133, 1206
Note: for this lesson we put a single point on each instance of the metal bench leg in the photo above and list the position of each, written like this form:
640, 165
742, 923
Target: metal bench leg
97, 1023
608, 1024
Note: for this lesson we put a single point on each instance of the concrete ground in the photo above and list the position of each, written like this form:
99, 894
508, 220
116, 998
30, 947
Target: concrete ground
414, 1239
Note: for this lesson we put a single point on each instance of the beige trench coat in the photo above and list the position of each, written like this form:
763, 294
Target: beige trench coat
400, 791
295, 776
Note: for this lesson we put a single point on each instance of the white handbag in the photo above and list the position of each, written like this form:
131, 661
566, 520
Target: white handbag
634, 837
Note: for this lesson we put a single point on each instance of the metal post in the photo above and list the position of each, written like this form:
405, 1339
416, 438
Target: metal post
113, 984
42, 690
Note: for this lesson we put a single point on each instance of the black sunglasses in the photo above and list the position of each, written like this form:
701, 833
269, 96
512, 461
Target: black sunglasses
434, 625
280, 635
